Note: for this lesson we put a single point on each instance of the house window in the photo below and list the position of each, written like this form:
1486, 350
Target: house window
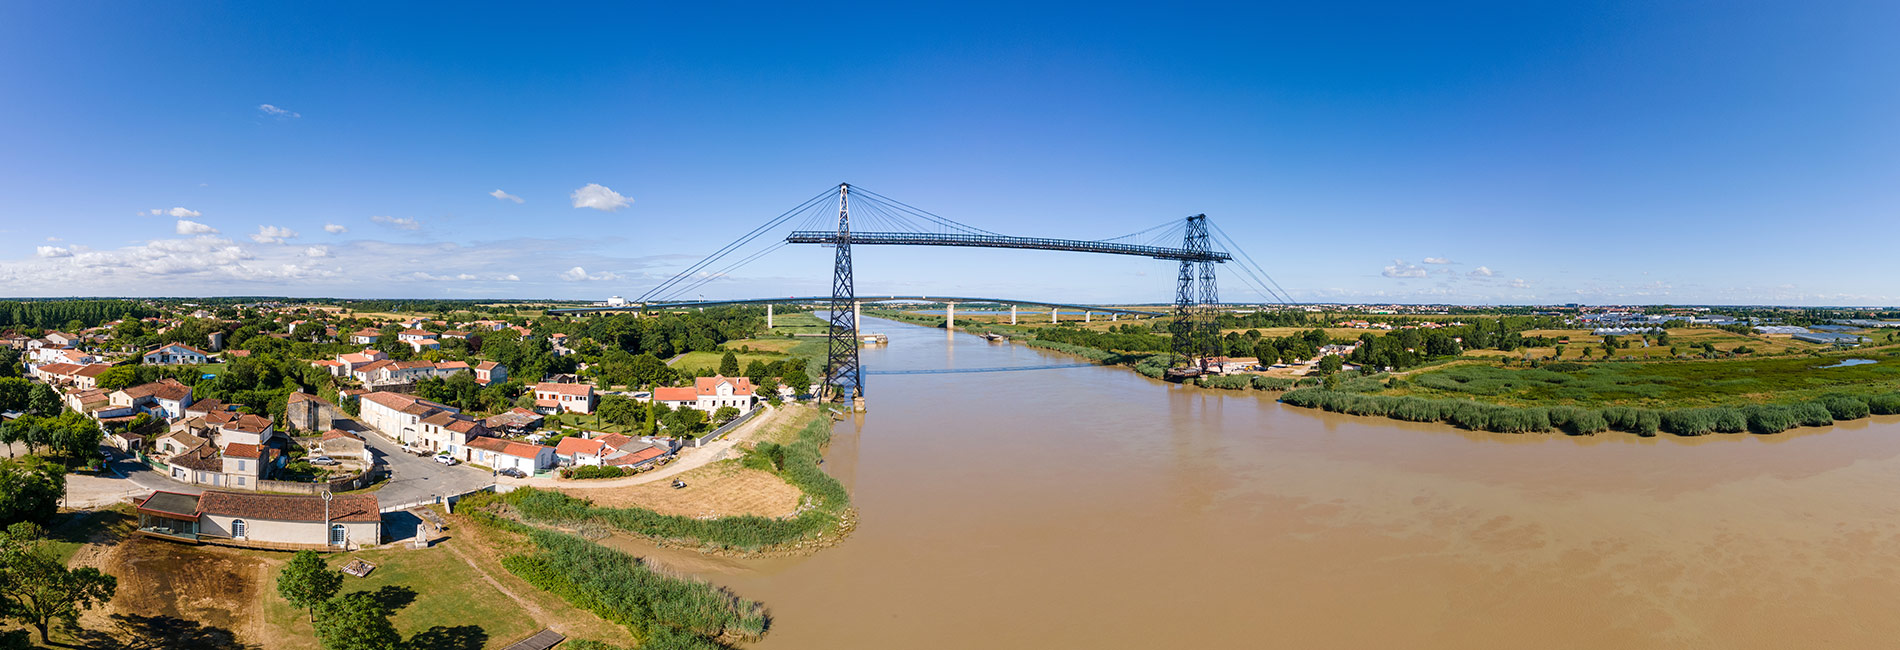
338, 535
239, 529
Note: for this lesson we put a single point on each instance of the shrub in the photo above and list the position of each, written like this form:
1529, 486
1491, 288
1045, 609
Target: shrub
1813, 414
1846, 407
1577, 421
1226, 382
1888, 404
1263, 382
1771, 418
594, 471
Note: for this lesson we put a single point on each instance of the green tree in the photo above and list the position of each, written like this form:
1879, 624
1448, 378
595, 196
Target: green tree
725, 414
729, 364
42, 400
1330, 364
38, 588
30, 489
307, 581
355, 621
120, 377
9, 362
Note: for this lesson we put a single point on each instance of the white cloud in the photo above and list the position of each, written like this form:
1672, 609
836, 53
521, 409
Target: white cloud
317, 251
578, 274
1438, 260
504, 196
1399, 269
1482, 272
54, 251
189, 227
274, 111
399, 223
1519, 283
181, 213
599, 198
54, 239
335, 228
511, 278
272, 235
431, 277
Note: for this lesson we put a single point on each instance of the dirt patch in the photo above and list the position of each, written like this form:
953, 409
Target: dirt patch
722, 489
215, 587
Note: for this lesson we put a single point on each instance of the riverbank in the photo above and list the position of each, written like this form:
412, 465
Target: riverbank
823, 518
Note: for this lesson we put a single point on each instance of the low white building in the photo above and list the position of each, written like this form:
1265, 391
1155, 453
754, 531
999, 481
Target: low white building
507, 454
709, 394
176, 354
343, 521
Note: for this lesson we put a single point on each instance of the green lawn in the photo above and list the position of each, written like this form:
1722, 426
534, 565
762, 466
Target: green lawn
1667, 384
442, 592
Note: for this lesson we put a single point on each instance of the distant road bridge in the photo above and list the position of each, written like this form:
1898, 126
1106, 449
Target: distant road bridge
950, 303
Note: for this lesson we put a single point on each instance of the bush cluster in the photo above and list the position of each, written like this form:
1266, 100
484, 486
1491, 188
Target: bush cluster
1574, 420
594, 471
666, 611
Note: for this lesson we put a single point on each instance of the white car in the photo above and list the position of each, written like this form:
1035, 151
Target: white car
445, 458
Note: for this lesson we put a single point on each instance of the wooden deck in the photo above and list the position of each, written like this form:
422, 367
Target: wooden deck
539, 641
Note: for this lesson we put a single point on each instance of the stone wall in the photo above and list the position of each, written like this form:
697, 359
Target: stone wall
306, 412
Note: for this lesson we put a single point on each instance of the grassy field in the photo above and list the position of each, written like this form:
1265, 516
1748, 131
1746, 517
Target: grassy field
797, 323
1671, 384
440, 590
1683, 341
452, 595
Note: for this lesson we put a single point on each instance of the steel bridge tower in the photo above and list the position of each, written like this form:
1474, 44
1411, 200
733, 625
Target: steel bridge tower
1195, 332
842, 371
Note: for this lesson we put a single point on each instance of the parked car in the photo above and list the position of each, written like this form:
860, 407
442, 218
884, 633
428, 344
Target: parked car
323, 460
445, 458
513, 473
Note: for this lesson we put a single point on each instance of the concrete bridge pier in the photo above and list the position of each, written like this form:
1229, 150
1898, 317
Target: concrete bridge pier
1053, 318
857, 316
768, 315
1012, 314
950, 312
1085, 316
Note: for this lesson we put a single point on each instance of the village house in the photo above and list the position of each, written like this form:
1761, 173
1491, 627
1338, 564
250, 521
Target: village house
454, 334
450, 432
553, 398
163, 398
709, 394
612, 449
507, 454
61, 339
87, 377
489, 372
365, 336
234, 465
414, 335
173, 354
397, 416
276, 521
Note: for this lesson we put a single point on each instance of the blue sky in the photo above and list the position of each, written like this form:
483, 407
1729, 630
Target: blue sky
1509, 152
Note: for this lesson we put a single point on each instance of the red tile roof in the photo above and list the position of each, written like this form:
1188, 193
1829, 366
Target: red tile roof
241, 450
670, 394
570, 446
638, 456
565, 389
710, 385
507, 447
347, 508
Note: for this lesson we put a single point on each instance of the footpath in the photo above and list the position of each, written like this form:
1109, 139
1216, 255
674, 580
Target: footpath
688, 460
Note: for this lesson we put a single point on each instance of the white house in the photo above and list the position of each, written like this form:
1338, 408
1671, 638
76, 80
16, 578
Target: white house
710, 394
165, 397
176, 354
343, 521
563, 398
507, 454
399, 417
489, 372
365, 336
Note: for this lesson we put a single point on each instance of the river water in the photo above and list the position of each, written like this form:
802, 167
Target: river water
1095, 508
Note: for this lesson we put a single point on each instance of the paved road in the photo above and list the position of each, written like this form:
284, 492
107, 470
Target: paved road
688, 460
134, 480
413, 478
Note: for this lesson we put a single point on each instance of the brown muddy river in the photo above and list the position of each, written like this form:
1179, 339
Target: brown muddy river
1094, 508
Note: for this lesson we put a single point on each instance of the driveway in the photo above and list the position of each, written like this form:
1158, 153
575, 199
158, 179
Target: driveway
414, 478
129, 479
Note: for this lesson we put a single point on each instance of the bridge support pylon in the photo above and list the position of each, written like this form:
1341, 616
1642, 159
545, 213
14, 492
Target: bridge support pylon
1012, 314
844, 378
1195, 332
950, 316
